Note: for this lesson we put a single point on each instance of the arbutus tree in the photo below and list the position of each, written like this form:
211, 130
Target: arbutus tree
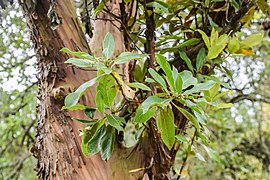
154, 71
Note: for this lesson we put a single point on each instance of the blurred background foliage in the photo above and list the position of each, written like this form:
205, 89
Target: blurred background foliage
18, 100
239, 135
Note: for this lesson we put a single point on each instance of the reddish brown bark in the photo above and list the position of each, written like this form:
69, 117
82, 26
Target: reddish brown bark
58, 146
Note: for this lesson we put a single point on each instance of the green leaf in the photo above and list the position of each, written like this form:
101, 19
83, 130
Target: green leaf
76, 107
200, 59
212, 154
218, 47
73, 98
235, 5
116, 121
189, 116
213, 37
79, 62
200, 157
107, 88
165, 124
187, 79
106, 144
264, 6
150, 80
200, 117
83, 121
88, 135
222, 106
93, 144
205, 38
127, 56
222, 94
228, 72
184, 56
251, 41
203, 137
165, 66
233, 45
201, 87
158, 78
102, 67
100, 7
174, 73
99, 102
141, 117
211, 93
179, 84
78, 54
154, 101
90, 112
108, 45
181, 138
139, 86
159, 5
189, 42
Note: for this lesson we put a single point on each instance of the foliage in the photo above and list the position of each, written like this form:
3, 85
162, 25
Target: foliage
190, 79
180, 83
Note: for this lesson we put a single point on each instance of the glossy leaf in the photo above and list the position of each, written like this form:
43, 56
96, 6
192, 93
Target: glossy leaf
154, 101
187, 79
73, 98
139, 86
179, 84
93, 144
158, 78
90, 112
76, 107
108, 45
201, 87
160, 5
212, 154
128, 56
107, 141
251, 41
99, 102
107, 88
165, 124
189, 42
141, 117
218, 47
115, 121
189, 116
79, 54
233, 45
184, 56
181, 138
79, 62
205, 38
222, 106
165, 66
200, 59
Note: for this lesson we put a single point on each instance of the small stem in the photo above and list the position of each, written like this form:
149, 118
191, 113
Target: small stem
185, 160
150, 45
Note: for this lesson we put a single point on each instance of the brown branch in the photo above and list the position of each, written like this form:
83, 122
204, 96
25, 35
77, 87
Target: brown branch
186, 157
249, 97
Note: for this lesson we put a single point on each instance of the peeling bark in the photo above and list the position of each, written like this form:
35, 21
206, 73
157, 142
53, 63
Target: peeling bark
58, 146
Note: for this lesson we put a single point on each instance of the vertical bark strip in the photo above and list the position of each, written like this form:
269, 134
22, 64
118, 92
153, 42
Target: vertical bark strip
58, 145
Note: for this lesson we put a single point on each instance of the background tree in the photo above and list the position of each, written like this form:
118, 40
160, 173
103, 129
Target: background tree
175, 28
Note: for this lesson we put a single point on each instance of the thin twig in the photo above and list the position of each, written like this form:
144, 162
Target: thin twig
185, 160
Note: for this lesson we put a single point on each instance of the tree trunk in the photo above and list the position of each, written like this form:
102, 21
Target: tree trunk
58, 145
